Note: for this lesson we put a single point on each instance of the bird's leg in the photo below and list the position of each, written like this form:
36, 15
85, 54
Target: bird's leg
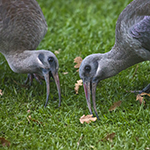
31, 76
29, 79
146, 89
38, 78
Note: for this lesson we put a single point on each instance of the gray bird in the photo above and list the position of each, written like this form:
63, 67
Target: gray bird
132, 45
22, 27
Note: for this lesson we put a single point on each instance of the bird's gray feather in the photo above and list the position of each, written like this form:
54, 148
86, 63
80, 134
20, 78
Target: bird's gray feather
22, 25
141, 32
135, 14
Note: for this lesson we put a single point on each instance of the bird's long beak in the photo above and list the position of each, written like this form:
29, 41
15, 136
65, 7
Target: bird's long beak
87, 95
56, 78
87, 91
94, 85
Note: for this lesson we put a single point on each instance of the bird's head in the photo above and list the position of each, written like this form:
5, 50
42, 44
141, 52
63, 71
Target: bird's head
93, 69
88, 68
40, 62
47, 65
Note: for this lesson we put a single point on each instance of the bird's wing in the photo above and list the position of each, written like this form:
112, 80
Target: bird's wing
22, 25
134, 22
141, 32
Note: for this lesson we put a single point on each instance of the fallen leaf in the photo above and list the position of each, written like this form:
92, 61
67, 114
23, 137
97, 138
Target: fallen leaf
87, 119
57, 51
1, 92
79, 83
142, 94
77, 60
65, 73
30, 119
115, 105
4, 142
110, 137
140, 97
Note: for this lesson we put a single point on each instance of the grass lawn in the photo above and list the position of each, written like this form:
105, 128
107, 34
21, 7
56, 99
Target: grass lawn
78, 28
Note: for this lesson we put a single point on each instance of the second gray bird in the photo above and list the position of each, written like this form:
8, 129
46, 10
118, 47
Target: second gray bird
132, 46
22, 27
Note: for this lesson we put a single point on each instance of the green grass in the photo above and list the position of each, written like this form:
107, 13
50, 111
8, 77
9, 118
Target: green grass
78, 28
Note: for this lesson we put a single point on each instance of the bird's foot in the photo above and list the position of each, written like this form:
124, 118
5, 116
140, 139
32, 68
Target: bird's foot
30, 78
145, 90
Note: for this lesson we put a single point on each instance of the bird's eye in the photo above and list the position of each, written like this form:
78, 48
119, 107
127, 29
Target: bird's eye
87, 68
50, 59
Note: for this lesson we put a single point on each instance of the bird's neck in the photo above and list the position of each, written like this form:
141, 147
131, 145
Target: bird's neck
119, 59
21, 62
